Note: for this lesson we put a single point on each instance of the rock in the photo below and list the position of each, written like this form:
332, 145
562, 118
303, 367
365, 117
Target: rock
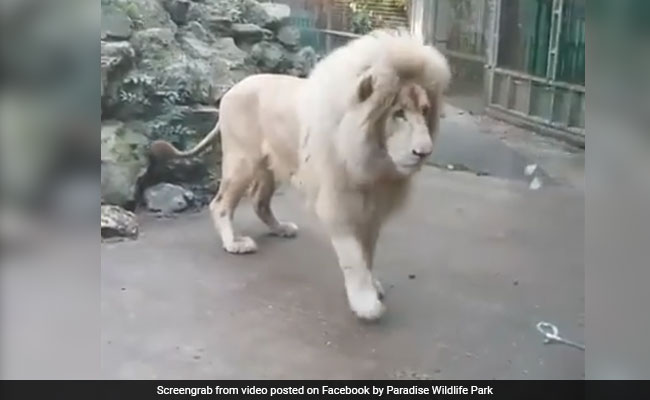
201, 119
220, 26
216, 15
228, 50
165, 75
267, 15
198, 30
178, 10
116, 59
146, 13
214, 68
197, 170
168, 198
247, 33
189, 67
118, 222
270, 57
289, 36
115, 25
124, 162
155, 44
303, 61
116, 54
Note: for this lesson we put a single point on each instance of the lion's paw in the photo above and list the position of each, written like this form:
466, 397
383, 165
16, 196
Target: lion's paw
366, 304
286, 230
241, 245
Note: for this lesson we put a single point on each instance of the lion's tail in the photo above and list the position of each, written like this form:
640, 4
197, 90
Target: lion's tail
162, 149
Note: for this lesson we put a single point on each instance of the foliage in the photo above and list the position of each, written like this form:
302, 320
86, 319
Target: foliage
235, 12
131, 10
362, 17
164, 97
169, 126
137, 89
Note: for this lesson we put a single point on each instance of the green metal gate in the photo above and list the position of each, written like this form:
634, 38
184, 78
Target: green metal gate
520, 60
536, 63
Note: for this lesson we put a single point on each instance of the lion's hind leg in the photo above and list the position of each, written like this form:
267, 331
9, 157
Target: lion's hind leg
262, 192
223, 206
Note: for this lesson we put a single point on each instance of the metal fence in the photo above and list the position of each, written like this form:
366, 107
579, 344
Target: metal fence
520, 60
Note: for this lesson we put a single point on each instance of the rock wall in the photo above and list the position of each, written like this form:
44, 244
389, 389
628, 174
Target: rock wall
165, 65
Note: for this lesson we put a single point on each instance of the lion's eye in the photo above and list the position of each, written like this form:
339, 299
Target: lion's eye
399, 114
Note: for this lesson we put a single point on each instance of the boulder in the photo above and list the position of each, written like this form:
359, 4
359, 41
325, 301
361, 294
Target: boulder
289, 36
124, 162
277, 13
198, 31
216, 15
167, 198
201, 119
144, 13
178, 10
228, 51
303, 61
155, 44
266, 15
171, 69
117, 222
196, 122
116, 58
247, 33
219, 25
115, 25
270, 57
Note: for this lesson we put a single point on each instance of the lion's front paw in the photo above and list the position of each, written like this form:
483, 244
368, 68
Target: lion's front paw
286, 229
241, 245
366, 303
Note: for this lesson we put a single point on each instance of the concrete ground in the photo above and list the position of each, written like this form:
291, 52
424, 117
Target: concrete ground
469, 267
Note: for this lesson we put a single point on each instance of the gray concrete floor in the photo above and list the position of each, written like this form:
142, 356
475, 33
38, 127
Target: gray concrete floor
470, 267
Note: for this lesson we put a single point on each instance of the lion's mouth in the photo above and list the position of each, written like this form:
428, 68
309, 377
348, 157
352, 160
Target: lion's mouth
412, 164
409, 167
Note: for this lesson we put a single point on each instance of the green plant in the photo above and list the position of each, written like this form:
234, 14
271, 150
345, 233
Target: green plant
131, 10
362, 18
172, 131
236, 11
169, 126
137, 90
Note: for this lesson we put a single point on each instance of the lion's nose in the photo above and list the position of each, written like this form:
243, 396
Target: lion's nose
421, 152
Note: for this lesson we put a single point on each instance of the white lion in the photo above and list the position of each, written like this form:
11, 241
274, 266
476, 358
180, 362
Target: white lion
351, 136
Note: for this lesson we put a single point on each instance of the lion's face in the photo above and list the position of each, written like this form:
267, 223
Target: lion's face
408, 132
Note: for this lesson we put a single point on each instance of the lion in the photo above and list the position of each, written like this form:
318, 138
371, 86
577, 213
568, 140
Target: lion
350, 136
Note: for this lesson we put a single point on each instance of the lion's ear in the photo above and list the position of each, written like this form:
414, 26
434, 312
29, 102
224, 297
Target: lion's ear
365, 88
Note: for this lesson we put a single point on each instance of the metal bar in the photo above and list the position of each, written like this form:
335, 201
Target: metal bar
338, 33
435, 22
539, 120
573, 136
554, 45
530, 97
554, 39
463, 56
523, 75
494, 8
